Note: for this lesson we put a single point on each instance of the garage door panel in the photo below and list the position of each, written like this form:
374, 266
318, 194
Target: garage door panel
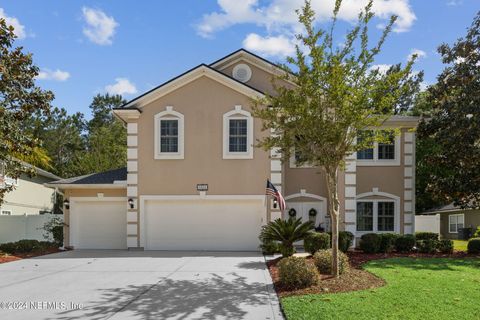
99, 225
203, 225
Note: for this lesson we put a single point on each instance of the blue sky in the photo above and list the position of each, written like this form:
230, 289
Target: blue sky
128, 47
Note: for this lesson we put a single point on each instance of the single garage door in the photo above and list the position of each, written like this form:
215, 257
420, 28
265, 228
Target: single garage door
98, 224
203, 224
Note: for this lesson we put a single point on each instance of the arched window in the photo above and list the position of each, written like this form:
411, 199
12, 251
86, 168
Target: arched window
237, 134
169, 134
378, 212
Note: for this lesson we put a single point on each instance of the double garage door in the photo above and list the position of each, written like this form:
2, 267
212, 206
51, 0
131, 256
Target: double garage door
225, 224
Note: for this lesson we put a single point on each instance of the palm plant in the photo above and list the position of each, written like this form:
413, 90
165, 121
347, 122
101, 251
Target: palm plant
286, 232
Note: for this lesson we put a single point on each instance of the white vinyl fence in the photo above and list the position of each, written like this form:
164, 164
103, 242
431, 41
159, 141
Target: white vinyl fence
427, 223
18, 227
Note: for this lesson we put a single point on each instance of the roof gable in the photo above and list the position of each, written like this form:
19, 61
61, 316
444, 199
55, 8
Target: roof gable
187, 77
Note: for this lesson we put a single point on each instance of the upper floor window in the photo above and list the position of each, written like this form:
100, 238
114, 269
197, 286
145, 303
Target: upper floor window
381, 153
169, 134
237, 134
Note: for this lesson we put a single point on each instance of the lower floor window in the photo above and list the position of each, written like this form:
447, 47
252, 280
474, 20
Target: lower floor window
6, 212
455, 222
376, 216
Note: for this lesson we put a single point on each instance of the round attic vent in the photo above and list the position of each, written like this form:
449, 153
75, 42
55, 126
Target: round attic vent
242, 72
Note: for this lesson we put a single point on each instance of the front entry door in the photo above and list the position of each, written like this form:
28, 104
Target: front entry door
307, 211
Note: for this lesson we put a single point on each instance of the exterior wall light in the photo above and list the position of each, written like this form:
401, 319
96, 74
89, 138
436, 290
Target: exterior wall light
131, 203
66, 203
274, 203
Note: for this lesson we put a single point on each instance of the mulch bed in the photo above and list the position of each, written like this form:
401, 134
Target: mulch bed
352, 280
19, 256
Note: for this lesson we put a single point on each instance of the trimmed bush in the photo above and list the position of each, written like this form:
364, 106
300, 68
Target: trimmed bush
387, 242
269, 247
477, 233
473, 245
323, 261
426, 236
296, 273
317, 241
405, 243
345, 240
427, 246
370, 243
445, 246
9, 247
23, 246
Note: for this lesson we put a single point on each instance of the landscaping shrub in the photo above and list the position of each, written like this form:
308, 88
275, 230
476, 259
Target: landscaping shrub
54, 229
23, 246
426, 236
323, 261
296, 273
317, 241
477, 233
405, 243
370, 243
269, 247
445, 246
345, 240
427, 246
9, 247
473, 245
387, 242
286, 232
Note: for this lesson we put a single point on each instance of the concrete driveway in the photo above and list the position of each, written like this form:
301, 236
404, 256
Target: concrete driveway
113, 284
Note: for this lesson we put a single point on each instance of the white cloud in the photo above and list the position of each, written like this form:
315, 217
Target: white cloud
420, 54
19, 29
269, 46
100, 28
454, 3
280, 16
382, 68
55, 75
121, 86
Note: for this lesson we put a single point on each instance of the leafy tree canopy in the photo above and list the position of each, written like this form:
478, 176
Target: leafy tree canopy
336, 95
453, 129
19, 98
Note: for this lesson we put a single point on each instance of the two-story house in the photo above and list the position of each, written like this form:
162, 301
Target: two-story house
195, 181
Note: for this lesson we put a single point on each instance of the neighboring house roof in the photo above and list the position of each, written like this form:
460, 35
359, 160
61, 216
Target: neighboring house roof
113, 179
446, 208
185, 78
46, 174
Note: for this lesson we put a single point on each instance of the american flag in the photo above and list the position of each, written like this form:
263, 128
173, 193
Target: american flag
272, 191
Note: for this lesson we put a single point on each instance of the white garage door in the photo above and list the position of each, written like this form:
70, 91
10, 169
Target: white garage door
203, 224
98, 225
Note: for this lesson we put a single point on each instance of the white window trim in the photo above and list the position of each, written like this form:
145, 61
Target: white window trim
387, 198
455, 215
169, 114
237, 113
381, 162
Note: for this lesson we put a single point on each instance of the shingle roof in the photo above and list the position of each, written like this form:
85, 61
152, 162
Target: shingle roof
107, 177
446, 208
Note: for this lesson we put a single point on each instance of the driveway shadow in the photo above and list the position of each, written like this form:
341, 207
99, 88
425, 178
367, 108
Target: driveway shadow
211, 298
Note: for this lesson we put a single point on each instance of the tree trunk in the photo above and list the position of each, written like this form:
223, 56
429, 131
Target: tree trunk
331, 175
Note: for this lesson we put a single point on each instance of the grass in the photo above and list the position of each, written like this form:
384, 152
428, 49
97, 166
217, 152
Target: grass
427, 288
460, 245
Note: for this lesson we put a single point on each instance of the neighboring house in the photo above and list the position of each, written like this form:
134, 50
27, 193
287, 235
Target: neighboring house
194, 180
30, 195
453, 218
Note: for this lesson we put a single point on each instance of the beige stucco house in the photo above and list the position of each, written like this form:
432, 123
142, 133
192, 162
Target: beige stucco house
30, 195
194, 181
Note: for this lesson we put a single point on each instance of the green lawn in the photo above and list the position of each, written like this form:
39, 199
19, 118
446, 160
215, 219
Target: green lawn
460, 245
416, 289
